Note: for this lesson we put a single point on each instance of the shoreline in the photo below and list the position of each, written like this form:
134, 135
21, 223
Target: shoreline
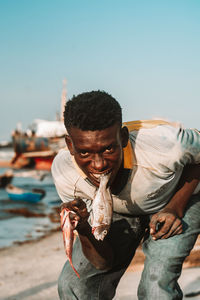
31, 241
37, 228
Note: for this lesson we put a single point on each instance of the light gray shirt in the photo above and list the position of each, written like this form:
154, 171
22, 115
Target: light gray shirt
159, 156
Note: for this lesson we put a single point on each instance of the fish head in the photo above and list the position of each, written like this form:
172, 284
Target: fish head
101, 231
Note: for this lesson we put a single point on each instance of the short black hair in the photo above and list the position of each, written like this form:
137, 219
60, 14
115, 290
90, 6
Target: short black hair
95, 110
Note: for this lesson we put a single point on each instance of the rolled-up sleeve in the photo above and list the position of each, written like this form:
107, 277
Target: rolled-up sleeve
189, 143
64, 177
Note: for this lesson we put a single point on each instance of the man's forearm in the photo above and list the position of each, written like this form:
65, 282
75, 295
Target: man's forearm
99, 253
170, 216
187, 184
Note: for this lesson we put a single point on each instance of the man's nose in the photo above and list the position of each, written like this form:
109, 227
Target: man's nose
98, 163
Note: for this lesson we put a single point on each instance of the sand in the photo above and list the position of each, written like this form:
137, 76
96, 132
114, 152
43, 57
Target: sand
30, 271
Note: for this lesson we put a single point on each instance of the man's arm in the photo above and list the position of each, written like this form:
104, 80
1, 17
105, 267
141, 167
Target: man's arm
169, 218
99, 253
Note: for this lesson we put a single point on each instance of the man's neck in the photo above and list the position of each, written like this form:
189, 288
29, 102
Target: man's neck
120, 181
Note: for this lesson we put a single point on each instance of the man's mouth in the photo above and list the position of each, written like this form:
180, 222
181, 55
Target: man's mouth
97, 176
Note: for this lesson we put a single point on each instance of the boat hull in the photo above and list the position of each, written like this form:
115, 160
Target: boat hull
27, 197
17, 194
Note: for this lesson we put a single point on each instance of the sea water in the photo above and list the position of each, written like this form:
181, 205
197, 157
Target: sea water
15, 224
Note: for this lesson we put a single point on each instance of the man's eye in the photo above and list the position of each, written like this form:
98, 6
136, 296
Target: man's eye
109, 149
84, 153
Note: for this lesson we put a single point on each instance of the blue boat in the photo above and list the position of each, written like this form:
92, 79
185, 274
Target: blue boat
18, 194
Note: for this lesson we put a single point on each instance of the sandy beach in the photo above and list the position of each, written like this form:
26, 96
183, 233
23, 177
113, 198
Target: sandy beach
30, 270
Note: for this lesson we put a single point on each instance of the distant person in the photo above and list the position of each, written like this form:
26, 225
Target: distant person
154, 172
33, 133
6, 178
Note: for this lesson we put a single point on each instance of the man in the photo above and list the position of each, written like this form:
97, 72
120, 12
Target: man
154, 172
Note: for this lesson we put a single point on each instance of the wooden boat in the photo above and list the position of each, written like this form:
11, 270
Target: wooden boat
42, 159
39, 144
34, 152
18, 194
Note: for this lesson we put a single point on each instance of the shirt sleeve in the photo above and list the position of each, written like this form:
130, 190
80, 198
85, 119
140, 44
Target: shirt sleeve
64, 191
189, 146
64, 177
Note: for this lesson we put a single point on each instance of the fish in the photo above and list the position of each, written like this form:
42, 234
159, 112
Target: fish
68, 226
102, 209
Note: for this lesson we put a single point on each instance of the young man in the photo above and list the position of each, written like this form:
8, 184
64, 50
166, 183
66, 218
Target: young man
154, 175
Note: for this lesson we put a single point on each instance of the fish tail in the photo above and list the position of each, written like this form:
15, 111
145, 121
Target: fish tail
68, 237
70, 261
69, 252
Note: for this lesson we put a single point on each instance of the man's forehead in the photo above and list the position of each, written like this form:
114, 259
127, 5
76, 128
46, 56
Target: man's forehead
74, 131
108, 135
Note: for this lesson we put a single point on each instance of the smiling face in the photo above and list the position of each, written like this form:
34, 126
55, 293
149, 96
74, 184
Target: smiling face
98, 152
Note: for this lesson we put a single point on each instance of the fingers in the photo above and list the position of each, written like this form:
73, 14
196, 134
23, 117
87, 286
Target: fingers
79, 207
178, 230
170, 229
156, 223
74, 216
75, 204
79, 203
165, 226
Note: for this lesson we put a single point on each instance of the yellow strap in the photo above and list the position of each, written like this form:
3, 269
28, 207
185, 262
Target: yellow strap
136, 125
128, 156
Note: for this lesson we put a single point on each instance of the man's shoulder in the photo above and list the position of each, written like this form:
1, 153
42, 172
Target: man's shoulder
63, 156
62, 164
156, 130
156, 144
168, 141
149, 124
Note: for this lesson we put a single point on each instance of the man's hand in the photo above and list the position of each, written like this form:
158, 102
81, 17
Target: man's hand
79, 207
99, 253
165, 224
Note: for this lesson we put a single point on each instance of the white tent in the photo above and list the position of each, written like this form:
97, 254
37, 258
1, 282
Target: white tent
45, 128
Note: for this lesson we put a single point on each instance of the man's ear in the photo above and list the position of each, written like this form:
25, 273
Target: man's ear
124, 136
68, 141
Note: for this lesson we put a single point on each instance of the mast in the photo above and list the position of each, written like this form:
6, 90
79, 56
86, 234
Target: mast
63, 99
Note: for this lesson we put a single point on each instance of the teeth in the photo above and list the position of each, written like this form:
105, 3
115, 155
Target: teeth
97, 175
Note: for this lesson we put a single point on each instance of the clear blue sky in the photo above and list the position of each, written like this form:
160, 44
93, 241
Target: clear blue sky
145, 53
